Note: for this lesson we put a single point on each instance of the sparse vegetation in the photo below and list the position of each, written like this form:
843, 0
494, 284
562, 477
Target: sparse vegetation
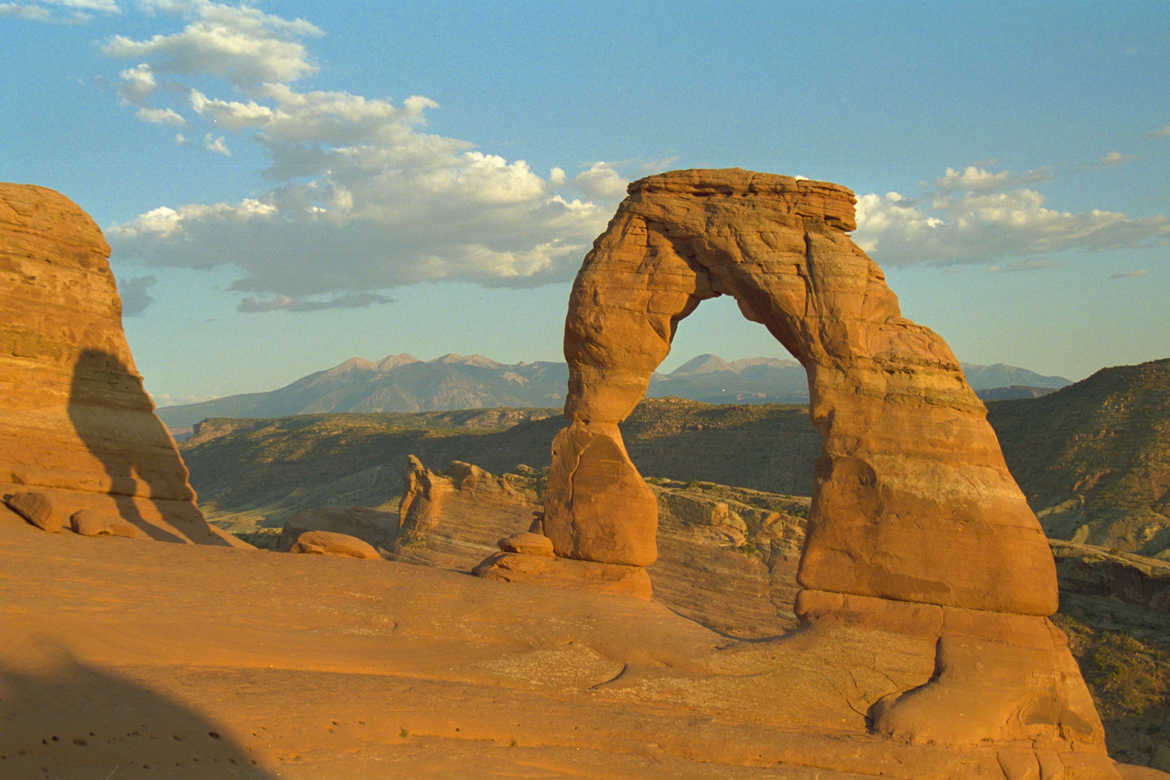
1128, 677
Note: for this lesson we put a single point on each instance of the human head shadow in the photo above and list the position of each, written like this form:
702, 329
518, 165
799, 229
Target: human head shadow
76, 720
102, 392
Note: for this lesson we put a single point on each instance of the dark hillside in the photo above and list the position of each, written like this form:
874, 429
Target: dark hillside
266, 469
1094, 458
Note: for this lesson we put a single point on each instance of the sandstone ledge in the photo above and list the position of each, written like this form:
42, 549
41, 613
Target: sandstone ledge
590, 576
821, 200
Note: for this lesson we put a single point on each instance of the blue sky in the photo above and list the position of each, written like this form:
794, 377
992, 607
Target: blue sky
289, 184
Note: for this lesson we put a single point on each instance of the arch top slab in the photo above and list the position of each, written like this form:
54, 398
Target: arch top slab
912, 500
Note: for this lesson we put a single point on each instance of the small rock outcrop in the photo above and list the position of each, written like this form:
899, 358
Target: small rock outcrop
916, 527
613, 578
37, 508
527, 543
76, 424
335, 544
450, 519
90, 522
373, 526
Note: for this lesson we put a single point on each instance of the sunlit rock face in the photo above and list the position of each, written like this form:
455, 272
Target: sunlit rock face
916, 526
76, 424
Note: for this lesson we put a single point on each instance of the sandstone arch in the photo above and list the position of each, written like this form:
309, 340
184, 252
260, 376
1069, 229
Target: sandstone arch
916, 525
912, 499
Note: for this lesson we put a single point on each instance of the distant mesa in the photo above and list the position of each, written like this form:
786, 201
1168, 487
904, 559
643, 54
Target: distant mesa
77, 430
916, 528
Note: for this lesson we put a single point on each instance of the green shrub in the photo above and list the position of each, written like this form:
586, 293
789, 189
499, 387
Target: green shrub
1127, 676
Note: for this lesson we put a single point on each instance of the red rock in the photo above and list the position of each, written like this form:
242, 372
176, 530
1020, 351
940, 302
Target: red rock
37, 508
590, 576
913, 500
331, 543
75, 421
527, 543
90, 522
915, 528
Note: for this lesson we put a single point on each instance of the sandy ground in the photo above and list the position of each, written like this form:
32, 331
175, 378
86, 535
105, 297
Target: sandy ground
128, 658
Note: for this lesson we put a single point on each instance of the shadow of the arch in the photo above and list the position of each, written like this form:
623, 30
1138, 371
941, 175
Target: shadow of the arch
114, 417
75, 720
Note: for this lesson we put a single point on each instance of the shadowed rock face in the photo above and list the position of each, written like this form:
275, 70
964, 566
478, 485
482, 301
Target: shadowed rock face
76, 424
916, 526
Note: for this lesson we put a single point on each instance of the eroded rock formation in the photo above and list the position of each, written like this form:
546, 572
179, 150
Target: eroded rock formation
76, 425
916, 527
334, 544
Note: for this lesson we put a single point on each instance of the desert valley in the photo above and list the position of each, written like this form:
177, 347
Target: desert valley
869, 561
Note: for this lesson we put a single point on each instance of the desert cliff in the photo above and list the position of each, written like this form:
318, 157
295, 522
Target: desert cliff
77, 429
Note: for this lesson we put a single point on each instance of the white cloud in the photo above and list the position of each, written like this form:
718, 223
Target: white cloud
660, 165
104, 6
984, 226
1114, 158
285, 303
180, 139
239, 43
33, 13
1163, 130
976, 179
362, 198
47, 10
137, 83
1030, 264
161, 116
217, 145
164, 221
601, 181
1128, 274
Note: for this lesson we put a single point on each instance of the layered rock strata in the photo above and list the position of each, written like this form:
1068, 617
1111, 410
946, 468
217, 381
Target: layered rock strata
76, 425
916, 526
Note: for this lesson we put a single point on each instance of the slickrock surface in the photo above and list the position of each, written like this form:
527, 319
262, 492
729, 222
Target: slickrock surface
916, 525
75, 422
191, 661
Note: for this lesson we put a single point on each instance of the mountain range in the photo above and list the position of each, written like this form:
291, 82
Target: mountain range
402, 383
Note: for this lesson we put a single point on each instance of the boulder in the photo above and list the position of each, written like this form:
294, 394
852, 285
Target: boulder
527, 543
373, 526
76, 423
330, 543
37, 508
91, 522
